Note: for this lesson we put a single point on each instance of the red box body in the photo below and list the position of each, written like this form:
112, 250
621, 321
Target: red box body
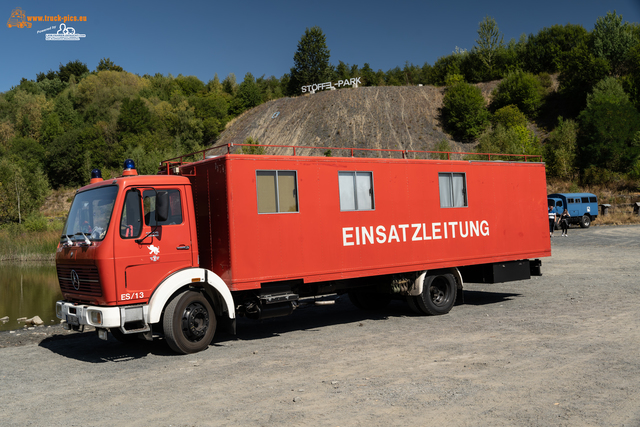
505, 219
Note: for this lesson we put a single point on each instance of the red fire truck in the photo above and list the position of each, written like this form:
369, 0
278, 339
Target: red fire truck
202, 242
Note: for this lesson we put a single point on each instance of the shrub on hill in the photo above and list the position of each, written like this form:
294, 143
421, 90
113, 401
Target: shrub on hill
464, 111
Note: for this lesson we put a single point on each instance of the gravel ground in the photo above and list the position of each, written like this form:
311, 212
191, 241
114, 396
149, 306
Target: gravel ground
557, 350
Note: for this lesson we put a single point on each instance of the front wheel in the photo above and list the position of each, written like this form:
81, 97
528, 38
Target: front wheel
189, 323
585, 221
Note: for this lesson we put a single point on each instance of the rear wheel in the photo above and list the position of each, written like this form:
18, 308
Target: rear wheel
438, 294
189, 323
585, 221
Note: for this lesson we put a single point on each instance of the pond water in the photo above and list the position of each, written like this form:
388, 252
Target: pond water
28, 290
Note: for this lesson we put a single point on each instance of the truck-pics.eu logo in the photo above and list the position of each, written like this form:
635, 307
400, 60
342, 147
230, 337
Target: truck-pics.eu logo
18, 19
63, 32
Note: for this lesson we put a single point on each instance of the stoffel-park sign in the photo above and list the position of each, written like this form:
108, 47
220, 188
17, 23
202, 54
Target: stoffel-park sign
329, 85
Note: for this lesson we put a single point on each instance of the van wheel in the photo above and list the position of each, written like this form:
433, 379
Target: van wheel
438, 294
369, 300
585, 221
189, 323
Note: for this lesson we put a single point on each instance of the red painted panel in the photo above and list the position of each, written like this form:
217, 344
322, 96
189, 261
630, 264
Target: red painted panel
407, 231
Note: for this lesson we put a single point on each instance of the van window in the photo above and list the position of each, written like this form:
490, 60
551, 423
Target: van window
569, 200
453, 190
277, 191
356, 191
593, 199
559, 203
585, 200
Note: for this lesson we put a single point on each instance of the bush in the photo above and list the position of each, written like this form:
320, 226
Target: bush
36, 222
464, 111
560, 150
521, 89
513, 140
508, 117
594, 175
251, 150
440, 146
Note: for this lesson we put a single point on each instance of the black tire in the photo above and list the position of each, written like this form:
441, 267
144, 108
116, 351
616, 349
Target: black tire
438, 294
189, 323
369, 300
413, 304
585, 221
123, 338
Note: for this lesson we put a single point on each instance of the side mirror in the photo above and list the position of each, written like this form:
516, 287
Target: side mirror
162, 206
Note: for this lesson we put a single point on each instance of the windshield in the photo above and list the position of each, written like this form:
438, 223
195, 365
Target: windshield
90, 214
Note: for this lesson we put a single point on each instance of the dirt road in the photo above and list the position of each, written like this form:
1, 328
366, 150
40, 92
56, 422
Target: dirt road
557, 350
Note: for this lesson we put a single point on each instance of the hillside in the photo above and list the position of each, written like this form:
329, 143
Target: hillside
389, 117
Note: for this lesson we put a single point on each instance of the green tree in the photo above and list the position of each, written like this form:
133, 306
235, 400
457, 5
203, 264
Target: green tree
488, 43
107, 64
632, 80
543, 52
561, 148
464, 111
134, 117
311, 60
509, 116
447, 65
72, 68
609, 134
23, 188
579, 72
521, 89
248, 95
368, 75
69, 162
214, 84
189, 85
229, 84
611, 40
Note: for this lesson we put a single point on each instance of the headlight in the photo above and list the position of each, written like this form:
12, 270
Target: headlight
95, 316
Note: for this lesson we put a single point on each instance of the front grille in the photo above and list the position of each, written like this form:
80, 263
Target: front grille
86, 283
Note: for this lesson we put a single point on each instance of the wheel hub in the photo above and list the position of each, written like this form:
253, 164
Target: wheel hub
195, 322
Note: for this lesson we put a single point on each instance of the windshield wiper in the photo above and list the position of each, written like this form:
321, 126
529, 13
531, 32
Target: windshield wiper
86, 239
68, 242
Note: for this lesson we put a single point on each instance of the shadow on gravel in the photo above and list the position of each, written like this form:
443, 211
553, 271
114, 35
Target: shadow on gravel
484, 298
313, 318
87, 347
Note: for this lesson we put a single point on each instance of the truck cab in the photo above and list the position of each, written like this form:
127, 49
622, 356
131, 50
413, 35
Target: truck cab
583, 207
128, 248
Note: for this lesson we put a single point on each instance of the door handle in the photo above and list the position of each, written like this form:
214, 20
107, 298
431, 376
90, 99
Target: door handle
183, 248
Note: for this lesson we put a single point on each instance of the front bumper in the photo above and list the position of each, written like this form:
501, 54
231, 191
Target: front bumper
76, 315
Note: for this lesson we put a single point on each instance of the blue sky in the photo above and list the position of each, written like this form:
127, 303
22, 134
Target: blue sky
202, 38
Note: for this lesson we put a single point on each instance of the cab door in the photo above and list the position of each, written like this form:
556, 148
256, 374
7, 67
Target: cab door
149, 250
573, 207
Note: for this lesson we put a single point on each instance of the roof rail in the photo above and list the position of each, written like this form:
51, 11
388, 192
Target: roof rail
352, 152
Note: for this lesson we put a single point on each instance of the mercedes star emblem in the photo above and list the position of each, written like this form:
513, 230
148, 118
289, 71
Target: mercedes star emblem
75, 280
